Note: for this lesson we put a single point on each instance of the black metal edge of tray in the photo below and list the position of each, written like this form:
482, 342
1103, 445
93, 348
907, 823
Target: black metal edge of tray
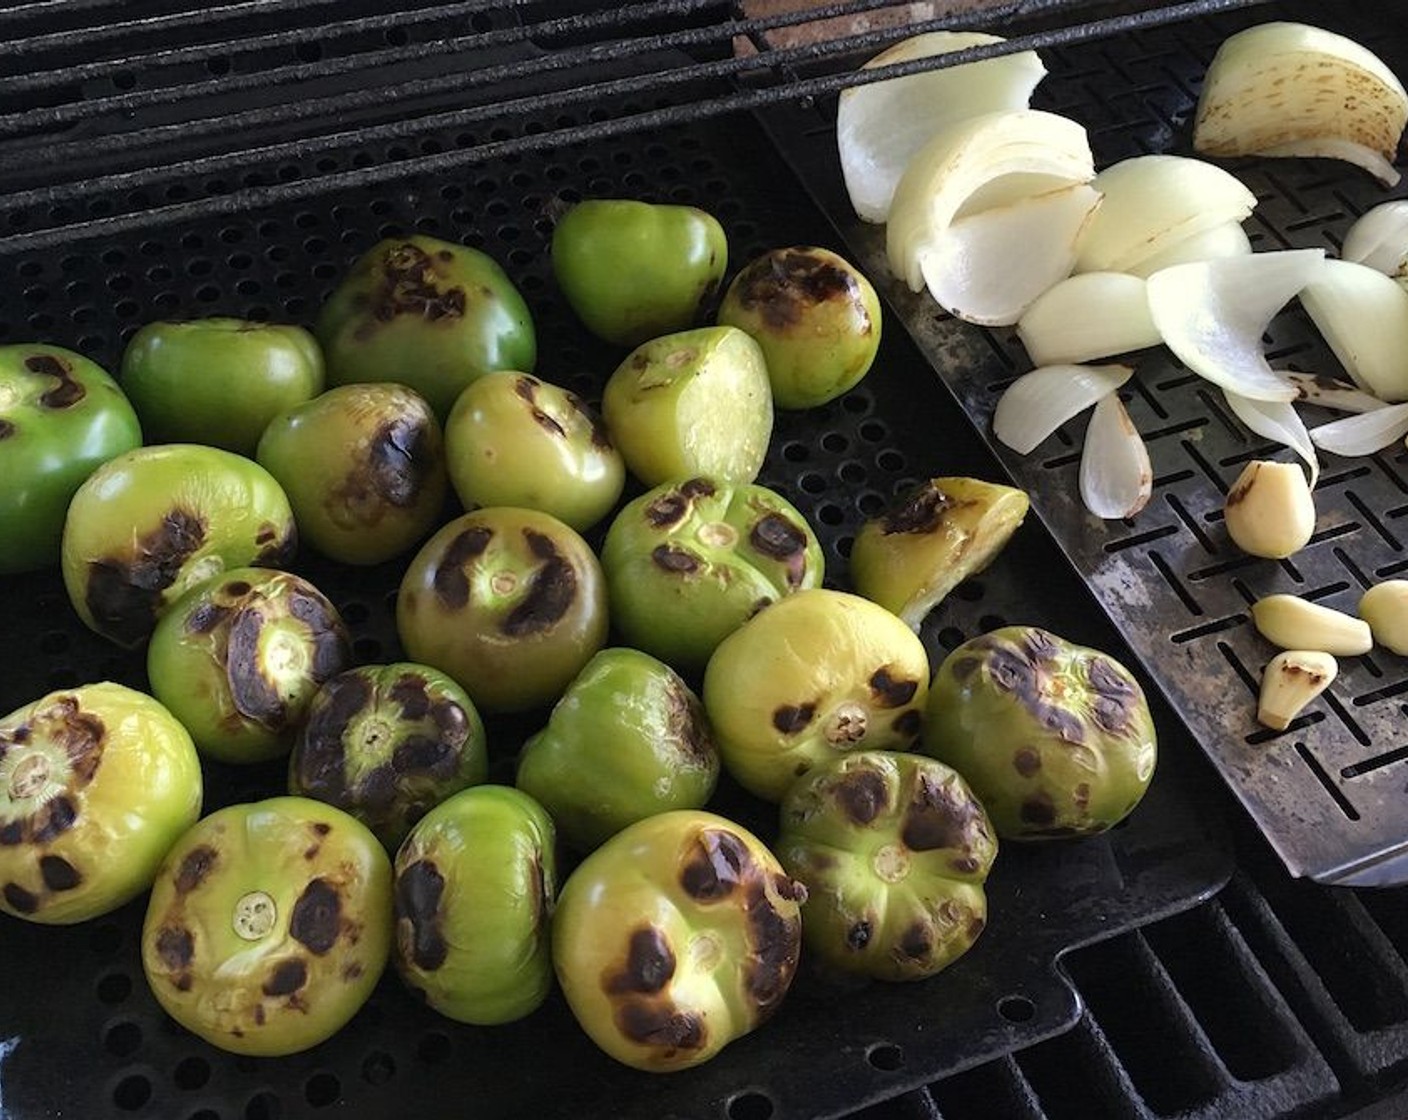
83, 1036
1328, 791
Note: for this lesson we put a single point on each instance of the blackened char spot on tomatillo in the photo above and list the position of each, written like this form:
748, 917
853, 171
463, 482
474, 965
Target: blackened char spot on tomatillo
917, 941
667, 511
409, 693
11, 833
20, 900
778, 538
195, 866
123, 593
792, 718
1026, 761
715, 865
68, 392
889, 691
58, 874
317, 917
600, 435
1039, 810
331, 648
783, 285
451, 584
276, 545
650, 964
684, 716
862, 795
776, 943
175, 947
407, 286
287, 977
672, 558
421, 754
377, 789
253, 695
551, 591
908, 724
919, 512
660, 1025
419, 889
937, 817
206, 618
7, 428
52, 820
1063, 723
399, 460
859, 934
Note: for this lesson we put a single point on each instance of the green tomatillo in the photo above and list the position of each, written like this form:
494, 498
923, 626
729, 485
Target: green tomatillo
218, 381
894, 849
96, 783
635, 270
61, 417
269, 925
427, 313
1056, 738
628, 739
387, 743
689, 562
152, 523
475, 886
677, 936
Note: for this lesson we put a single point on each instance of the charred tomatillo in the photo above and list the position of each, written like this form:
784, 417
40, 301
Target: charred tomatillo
816, 674
387, 743
269, 925
515, 440
695, 402
816, 317
239, 658
476, 881
1056, 738
894, 849
61, 417
628, 739
689, 562
96, 783
678, 935
218, 381
509, 602
151, 523
364, 469
426, 313
635, 270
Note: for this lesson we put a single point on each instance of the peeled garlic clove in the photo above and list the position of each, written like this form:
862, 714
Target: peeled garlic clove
1040, 401
1385, 608
1290, 681
1086, 317
1154, 202
1379, 239
1270, 511
1226, 240
880, 126
1363, 316
1212, 315
1284, 88
990, 267
1116, 477
1295, 623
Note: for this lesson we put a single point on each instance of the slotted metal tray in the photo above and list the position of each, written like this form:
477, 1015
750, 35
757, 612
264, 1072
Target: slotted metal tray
1329, 792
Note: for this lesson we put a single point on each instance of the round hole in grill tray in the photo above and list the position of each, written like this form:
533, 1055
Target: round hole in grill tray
378, 1068
750, 1106
132, 1092
886, 1056
191, 1072
123, 1039
1016, 1009
322, 1089
263, 1106
114, 987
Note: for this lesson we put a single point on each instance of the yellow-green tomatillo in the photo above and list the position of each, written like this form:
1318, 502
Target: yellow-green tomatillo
515, 440
629, 739
269, 925
96, 783
693, 403
816, 674
475, 884
239, 658
677, 936
152, 523
894, 849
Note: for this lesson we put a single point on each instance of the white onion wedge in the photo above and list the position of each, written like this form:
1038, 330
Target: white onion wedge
1116, 477
1364, 434
1154, 202
1086, 317
1363, 316
1226, 240
1331, 393
1379, 239
1278, 421
1283, 88
1039, 402
1212, 314
880, 126
1044, 151
988, 268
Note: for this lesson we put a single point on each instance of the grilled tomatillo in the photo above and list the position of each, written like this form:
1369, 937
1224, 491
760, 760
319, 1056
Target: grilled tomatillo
364, 469
515, 440
678, 935
894, 849
689, 562
816, 317
96, 783
218, 381
239, 658
150, 524
61, 417
475, 884
629, 739
387, 743
509, 602
426, 313
816, 674
269, 925
1056, 738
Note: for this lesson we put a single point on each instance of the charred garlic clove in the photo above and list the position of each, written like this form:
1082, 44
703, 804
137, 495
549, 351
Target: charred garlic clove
1385, 608
1270, 510
1290, 681
1291, 622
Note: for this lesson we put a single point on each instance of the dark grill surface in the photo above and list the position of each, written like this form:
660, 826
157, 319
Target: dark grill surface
1169, 969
